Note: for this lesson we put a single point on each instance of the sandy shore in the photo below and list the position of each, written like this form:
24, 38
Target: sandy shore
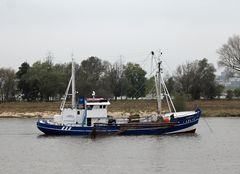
27, 114
47, 114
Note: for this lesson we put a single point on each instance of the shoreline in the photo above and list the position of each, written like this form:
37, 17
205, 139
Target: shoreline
45, 115
124, 108
49, 115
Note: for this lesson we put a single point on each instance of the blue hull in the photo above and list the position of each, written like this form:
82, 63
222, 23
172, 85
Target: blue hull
51, 129
177, 125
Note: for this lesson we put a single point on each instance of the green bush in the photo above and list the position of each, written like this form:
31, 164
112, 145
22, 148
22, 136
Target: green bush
229, 94
237, 92
180, 102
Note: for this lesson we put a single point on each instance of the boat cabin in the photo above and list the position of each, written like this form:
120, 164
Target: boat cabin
96, 110
87, 112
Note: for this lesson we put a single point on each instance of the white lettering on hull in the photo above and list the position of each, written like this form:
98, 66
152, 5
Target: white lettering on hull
66, 128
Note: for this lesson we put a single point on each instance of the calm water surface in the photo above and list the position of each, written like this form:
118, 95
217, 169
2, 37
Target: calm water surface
214, 149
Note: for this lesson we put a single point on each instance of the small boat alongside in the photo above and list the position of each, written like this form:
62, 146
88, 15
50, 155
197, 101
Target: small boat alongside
88, 116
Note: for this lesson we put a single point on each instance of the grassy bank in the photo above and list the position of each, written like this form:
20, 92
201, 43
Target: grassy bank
218, 108
210, 108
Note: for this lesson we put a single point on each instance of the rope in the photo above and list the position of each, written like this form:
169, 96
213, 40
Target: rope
208, 125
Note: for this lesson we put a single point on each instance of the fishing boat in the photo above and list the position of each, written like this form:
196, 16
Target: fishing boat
88, 116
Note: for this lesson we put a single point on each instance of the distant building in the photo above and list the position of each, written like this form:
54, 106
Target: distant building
229, 79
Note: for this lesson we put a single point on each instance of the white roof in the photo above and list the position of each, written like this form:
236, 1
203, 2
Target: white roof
98, 103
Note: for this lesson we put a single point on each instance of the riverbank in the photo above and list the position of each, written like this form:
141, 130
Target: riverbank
210, 108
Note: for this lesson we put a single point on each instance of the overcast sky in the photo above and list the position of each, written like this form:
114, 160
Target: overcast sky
183, 29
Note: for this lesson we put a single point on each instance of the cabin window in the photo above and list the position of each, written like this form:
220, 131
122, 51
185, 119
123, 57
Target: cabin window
104, 106
100, 106
89, 107
80, 106
78, 112
89, 121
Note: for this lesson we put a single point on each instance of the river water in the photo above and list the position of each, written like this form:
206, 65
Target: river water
213, 149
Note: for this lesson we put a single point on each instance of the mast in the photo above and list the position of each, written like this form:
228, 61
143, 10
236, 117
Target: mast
73, 85
168, 97
160, 88
160, 85
157, 93
65, 96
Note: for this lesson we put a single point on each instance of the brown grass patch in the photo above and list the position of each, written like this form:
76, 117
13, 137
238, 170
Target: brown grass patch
216, 108
22, 107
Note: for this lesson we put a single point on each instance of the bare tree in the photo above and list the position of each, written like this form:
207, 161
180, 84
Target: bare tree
7, 84
196, 79
184, 77
229, 54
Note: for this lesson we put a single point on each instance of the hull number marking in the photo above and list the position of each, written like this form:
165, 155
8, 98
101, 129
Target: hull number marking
66, 128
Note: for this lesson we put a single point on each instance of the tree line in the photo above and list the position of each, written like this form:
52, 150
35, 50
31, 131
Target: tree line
44, 80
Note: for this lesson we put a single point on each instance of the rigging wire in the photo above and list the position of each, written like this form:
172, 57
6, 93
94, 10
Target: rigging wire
143, 64
168, 67
208, 125
135, 94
